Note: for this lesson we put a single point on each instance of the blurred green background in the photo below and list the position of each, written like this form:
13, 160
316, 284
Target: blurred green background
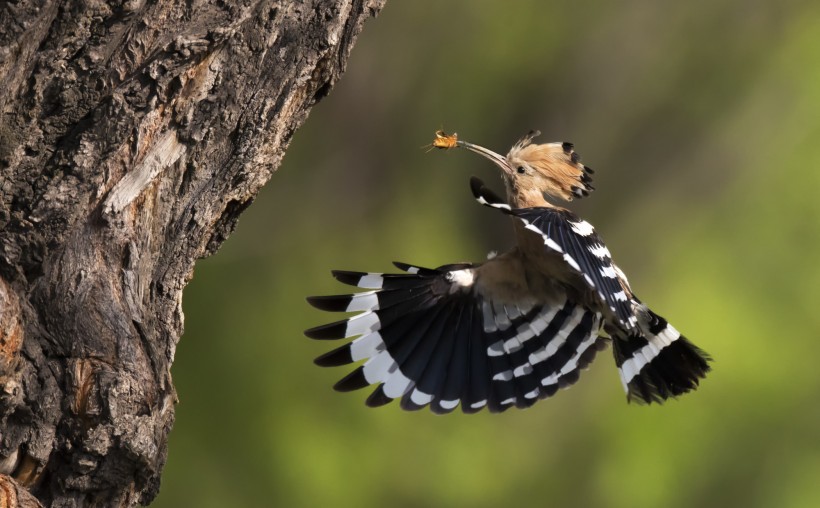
702, 121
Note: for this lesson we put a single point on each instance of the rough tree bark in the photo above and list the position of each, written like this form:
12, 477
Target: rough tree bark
133, 134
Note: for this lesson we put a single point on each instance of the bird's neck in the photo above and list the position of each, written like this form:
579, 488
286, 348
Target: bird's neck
526, 198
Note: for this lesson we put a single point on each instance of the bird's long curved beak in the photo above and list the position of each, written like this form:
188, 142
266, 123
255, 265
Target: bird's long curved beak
498, 159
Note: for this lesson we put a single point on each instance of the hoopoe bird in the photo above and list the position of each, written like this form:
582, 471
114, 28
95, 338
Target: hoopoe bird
513, 329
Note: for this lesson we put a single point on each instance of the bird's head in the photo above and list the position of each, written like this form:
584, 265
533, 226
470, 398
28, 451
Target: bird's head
533, 171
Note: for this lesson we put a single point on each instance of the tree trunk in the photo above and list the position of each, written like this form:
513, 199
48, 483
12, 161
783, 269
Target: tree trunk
133, 134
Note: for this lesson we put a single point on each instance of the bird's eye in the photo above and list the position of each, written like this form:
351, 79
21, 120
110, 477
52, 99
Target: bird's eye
521, 170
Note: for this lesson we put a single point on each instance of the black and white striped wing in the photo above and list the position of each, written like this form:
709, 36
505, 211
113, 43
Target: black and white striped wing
434, 337
579, 245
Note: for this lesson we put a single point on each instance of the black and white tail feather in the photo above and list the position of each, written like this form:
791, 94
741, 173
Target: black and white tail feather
441, 337
659, 362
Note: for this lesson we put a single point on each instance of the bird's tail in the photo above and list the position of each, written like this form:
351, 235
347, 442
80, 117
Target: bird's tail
656, 362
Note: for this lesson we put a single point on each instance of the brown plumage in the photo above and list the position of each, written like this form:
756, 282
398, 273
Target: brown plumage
531, 172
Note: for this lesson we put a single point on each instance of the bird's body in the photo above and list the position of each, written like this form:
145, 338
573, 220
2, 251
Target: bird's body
515, 328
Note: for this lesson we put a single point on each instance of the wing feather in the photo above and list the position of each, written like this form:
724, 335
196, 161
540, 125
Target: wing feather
446, 337
581, 247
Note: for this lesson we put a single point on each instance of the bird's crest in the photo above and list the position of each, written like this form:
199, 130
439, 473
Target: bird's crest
558, 162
